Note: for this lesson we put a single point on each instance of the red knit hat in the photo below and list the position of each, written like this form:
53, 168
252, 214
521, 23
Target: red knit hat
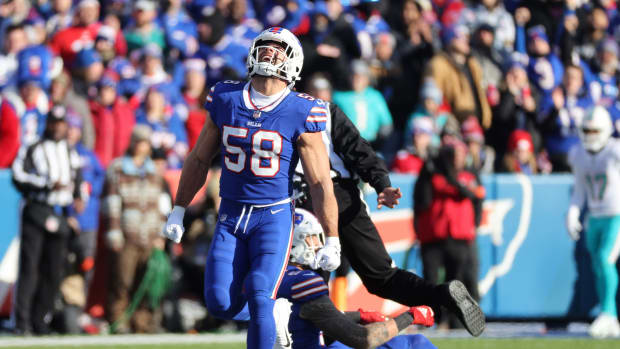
520, 139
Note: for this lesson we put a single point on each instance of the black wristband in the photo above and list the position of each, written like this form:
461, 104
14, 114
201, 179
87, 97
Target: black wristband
403, 320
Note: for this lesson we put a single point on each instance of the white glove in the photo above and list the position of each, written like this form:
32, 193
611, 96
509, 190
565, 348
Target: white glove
173, 229
328, 258
572, 222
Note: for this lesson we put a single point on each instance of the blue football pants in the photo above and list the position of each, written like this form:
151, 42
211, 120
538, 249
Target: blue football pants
246, 262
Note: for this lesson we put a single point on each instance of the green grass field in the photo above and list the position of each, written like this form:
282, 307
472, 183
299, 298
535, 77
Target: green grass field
526, 343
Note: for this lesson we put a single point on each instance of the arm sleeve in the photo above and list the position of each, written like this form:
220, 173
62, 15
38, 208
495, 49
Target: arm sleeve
334, 324
316, 120
99, 178
25, 174
578, 197
210, 104
356, 152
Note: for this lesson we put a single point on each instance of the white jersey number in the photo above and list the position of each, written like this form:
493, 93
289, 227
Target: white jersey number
266, 146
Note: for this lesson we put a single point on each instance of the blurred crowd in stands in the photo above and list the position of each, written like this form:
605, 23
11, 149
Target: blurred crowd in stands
507, 82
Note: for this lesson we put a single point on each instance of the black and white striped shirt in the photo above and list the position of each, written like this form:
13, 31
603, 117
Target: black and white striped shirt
40, 166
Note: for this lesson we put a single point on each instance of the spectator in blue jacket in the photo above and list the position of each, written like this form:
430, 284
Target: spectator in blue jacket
560, 116
168, 130
93, 176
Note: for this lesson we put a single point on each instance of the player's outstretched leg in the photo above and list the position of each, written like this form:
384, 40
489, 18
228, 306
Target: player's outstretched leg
460, 302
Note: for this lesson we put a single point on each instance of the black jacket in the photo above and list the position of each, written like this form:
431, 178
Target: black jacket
354, 152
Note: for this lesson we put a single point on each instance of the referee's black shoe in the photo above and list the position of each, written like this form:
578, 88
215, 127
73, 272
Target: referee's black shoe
460, 302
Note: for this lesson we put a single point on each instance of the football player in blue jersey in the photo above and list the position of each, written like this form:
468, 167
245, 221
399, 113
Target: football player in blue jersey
313, 321
263, 128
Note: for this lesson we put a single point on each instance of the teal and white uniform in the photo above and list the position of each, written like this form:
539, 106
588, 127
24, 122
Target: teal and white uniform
597, 180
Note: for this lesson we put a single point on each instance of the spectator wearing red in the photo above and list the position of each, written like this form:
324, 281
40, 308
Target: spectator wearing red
68, 42
445, 196
9, 134
520, 157
193, 93
411, 159
113, 119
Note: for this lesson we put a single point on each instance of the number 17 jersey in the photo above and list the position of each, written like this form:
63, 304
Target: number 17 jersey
597, 176
259, 147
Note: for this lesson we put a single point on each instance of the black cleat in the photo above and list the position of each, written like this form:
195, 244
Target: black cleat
465, 308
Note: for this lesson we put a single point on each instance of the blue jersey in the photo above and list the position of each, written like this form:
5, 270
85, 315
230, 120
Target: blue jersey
545, 72
299, 287
259, 152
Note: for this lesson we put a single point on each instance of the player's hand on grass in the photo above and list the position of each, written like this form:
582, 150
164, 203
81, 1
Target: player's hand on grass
389, 197
422, 315
573, 225
173, 229
328, 257
369, 317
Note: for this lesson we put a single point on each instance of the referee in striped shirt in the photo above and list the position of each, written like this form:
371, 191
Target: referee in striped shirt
47, 173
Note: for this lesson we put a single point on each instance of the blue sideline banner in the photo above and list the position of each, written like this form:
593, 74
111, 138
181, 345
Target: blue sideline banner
528, 265
527, 261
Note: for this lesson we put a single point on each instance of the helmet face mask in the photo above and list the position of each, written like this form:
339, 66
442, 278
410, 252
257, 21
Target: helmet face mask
595, 129
308, 237
286, 60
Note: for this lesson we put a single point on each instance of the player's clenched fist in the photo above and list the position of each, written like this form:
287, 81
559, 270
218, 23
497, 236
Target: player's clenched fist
328, 258
173, 229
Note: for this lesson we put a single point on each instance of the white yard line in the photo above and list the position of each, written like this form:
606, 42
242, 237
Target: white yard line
79, 341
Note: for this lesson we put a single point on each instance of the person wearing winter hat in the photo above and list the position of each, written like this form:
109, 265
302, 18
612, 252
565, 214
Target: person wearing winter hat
133, 219
604, 88
446, 197
144, 30
540, 53
83, 244
431, 105
480, 158
105, 41
113, 118
459, 76
88, 69
520, 157
411, 159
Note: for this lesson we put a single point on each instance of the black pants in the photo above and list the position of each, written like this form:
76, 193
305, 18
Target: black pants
459, 259
363, 247
451, 255
41, 268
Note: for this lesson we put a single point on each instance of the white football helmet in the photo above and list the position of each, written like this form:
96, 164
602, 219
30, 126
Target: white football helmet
306, 225
290, 68
596, 128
